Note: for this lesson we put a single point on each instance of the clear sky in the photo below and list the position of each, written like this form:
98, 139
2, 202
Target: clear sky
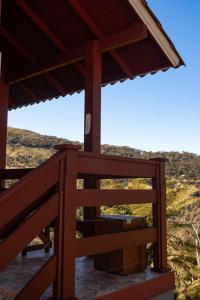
159, 112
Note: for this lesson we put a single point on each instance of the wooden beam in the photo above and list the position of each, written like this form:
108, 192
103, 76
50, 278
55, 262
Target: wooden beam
92, 114
125, 37
69, 57
27, 91
46, 30
12, 40
133, 34
114, 241
98, 33
55, 83
92, 198
40, 24
24, 52
93, 78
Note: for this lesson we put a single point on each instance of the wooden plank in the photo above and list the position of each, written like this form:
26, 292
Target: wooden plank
115, 241
40, 282
103, 166
136, 33
14, 173
29, 189
26, 232
91, 197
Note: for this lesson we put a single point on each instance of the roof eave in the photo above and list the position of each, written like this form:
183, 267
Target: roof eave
154, 27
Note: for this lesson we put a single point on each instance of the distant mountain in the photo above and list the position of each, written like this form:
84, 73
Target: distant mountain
30, 148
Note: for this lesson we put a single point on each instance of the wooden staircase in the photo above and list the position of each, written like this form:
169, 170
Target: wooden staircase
48, 195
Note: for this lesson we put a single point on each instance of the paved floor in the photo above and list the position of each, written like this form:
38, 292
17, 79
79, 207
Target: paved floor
90, 283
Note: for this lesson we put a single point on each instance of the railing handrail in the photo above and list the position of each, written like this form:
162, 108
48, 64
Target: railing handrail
19, 197
151, 161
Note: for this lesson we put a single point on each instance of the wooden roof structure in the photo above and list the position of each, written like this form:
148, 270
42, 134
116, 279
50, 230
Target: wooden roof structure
43, 47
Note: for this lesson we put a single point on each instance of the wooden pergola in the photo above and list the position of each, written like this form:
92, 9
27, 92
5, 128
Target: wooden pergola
54, 48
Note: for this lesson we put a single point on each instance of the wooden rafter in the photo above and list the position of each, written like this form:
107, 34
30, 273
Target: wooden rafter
27, 91
40, 24
45, 29
55, 83
24, 52
12, 40
108, 43
99, 34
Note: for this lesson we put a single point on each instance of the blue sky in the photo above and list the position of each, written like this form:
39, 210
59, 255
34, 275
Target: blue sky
159, 112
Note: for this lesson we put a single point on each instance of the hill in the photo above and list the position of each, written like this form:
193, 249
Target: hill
20, 142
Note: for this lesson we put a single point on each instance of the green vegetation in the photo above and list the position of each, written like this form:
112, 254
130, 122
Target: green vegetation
29, 149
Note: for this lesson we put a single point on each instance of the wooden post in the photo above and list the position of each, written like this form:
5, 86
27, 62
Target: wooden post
160, 219
92, 126
4, 102
65, 232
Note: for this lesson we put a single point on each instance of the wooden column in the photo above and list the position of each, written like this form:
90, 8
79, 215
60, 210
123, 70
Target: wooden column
92, 127
65, 230
160, 219
4, 101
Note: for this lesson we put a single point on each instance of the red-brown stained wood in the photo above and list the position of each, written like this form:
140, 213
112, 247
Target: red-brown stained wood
115, 241
93, 77
40, 282
101, 165
75, 55
92, 114
99, 34
65, 284
38, 182
58, 233
91, 197
28, 230
160, 220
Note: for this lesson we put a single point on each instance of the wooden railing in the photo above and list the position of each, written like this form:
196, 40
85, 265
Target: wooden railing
49, 194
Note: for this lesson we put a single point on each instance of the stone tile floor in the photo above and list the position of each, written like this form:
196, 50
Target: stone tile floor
90, 283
